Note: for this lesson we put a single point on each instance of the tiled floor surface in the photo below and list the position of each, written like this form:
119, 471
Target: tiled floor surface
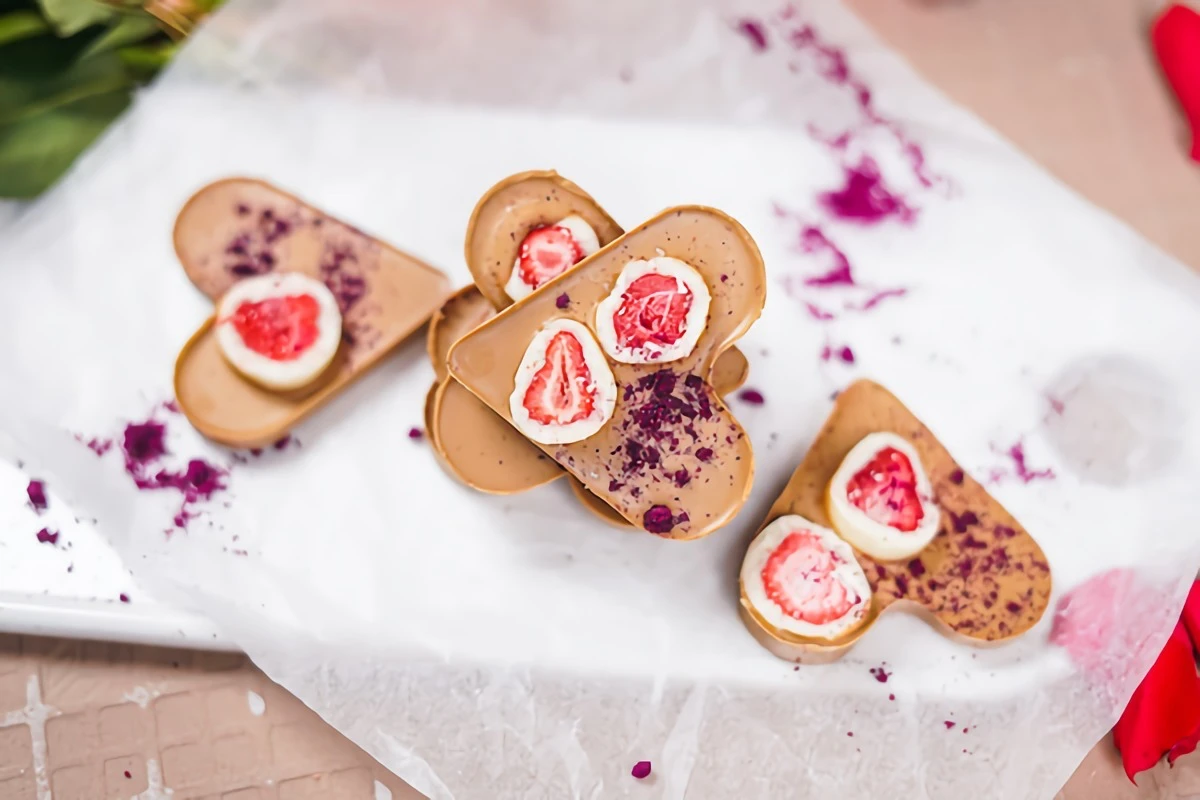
1069, 81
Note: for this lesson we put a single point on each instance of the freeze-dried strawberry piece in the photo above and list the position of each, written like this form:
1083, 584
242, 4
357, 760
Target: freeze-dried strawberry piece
547, 253
886, 491
800, 578
562, 391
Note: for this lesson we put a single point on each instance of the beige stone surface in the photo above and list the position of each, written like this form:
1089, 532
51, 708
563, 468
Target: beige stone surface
92, 721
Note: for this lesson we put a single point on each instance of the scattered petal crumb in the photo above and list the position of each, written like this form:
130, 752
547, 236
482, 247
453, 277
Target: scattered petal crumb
892, 697
416, 434
949, 724
562, 301
640, 770
37, 495
124, 598
128, 774
880, 674
751, 397
47, 536
258, 706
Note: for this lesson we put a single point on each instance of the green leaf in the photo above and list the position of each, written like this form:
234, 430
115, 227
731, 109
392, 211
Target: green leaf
127, 29
28, 95
20, 25
69, 17
143, 61
35, 151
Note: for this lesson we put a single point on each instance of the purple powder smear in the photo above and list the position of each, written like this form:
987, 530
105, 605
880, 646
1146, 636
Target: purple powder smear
877, 298
416, 434
341, 273
47, 536
562, 301
833, 66
1017, 454
751, 397
755, 33
818, 313
813, 241
36, 490
865, 198
1021, 466
640, 770
658, 519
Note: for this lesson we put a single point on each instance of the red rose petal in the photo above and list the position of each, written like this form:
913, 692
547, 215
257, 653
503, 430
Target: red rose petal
1191, 614
1163, 716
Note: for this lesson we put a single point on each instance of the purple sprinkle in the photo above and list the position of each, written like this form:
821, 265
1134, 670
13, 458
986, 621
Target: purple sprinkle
682, 477
751, 397
562, 301
640, 770
916, 568
957, 477
47, 536
704, 454
658, 519
124, 598
416, 434
754, 32
37, 495
1013, 607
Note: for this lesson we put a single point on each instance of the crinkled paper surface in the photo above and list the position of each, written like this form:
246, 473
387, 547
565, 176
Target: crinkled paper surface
512, 647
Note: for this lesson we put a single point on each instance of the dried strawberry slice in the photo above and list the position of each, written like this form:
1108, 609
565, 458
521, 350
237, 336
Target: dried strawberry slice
547, 253
280, 328
654, 309
562, 391
886, 491
799, 577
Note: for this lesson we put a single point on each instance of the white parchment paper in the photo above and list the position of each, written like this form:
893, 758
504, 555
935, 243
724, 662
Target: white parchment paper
512, 647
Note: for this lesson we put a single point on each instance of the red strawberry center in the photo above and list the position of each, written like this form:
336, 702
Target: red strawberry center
798, 577
886, 491
561, 392
653, 310
280, 328
547, 253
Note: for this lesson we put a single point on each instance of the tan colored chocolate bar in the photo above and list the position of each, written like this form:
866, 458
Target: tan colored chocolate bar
475, 445
510, 210
694, 463
240, 227
983, 579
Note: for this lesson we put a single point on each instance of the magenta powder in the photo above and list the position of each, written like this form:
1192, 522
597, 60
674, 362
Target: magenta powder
813, 241
1017, 454
754, 32
640, 770
865, 198
36, 491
